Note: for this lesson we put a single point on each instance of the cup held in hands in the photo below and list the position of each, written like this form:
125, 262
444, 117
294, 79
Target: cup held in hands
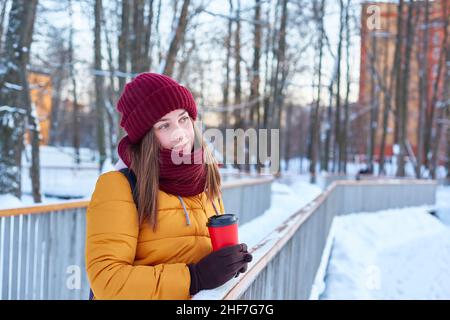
223, 230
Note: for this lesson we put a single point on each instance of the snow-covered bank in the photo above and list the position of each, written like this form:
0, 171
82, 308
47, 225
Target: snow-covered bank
392, 254
285, 201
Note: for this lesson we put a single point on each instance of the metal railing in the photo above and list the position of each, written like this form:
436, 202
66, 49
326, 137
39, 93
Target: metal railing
42, 247
286, 262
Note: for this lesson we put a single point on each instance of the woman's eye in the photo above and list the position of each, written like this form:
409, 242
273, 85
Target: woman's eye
184, 119
164, 126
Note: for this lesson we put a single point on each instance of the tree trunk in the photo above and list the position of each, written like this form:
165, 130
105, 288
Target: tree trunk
237, 66
280, 73
75, 111
2, 21
157, 33
99, 94
57, 84
256, 79
267, 75
315, 126
344, 132
15, 106
177, 39
403, 111
398, 61
423, 92
388, 92
123, 56
238, 145
226, 87
137, 37
325, 165
147, 52
337, 132
443, 58
267, 81
374, 88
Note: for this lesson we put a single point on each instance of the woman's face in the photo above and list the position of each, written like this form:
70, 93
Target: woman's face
175, 131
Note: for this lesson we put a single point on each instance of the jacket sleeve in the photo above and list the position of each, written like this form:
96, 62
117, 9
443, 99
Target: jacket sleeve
111, 238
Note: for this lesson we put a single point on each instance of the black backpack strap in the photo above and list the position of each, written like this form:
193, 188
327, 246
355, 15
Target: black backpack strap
130, 176
132, 180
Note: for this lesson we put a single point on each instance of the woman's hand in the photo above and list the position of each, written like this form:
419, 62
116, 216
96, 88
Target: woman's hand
218, 267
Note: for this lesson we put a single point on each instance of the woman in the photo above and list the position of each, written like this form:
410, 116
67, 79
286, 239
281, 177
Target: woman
152, 242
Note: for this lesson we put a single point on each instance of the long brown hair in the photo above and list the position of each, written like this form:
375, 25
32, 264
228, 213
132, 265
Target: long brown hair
145, 165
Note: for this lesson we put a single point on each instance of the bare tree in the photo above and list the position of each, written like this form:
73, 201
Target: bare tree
237, 66
140, 35
443, 59
337, 121
16, 105
237, 82
60, 55
176, 39
269, 43
111, 93
281, 67
124, 48
256, 78
75, 114
279, 76
319, 12
3, 4
99, 94
388, 89
374, 88
423, 90
344, 132
403, 107
226, 85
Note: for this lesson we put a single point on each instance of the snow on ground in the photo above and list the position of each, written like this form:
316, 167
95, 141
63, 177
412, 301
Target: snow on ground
61, 176
391, 254
285, 201
9, 201
62, 156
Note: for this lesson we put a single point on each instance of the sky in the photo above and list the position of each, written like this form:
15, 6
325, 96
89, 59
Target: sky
299, 90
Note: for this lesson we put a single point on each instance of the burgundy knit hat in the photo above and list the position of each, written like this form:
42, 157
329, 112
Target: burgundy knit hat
145, 100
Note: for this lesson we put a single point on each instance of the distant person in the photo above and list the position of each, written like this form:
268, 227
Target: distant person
365, 170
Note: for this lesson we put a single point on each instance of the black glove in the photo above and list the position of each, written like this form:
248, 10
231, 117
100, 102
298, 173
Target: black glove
218, 267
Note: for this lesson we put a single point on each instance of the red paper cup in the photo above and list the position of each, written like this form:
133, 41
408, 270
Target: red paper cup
223, 230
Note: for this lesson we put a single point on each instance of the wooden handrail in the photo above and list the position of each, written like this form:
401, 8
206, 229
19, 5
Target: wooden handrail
71, 204
44, 208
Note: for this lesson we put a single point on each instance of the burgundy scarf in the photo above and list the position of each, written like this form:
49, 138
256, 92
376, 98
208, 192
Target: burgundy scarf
186, 177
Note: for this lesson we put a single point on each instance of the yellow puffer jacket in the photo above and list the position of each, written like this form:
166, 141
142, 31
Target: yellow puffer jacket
125, 261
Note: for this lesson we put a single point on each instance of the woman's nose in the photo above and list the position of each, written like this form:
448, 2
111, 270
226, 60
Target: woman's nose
178, 135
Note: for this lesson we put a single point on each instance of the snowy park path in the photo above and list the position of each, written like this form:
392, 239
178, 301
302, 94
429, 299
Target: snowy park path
390, 254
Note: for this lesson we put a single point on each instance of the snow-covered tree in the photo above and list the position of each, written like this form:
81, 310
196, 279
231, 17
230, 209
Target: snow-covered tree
14, 96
